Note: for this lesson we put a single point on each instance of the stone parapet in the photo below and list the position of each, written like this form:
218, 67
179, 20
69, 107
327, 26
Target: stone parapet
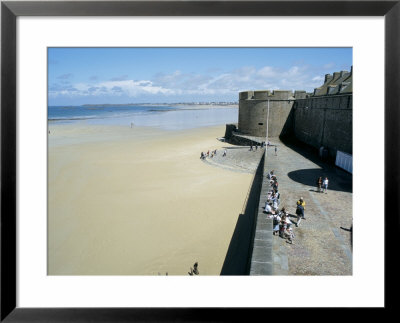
261, 257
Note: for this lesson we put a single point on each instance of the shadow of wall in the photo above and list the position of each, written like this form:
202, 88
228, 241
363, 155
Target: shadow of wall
288, 126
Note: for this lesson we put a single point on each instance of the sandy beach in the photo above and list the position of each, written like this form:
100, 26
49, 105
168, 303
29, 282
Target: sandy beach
138, 201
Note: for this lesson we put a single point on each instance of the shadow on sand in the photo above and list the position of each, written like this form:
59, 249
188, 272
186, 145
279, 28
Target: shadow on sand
237, 257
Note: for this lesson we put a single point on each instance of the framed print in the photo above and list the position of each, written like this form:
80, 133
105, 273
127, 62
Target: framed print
63, 55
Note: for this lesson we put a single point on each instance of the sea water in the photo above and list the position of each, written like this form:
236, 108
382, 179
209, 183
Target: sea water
164, 117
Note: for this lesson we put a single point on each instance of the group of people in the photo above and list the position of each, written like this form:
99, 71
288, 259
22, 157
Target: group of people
211, 154
255, 147
322, 184
282, 225
262, 145
208, 154
281, 221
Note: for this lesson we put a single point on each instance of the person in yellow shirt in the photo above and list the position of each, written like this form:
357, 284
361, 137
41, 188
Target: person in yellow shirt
301, 202
300, 211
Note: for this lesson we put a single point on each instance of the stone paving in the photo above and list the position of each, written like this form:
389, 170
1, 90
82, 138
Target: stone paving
322, 244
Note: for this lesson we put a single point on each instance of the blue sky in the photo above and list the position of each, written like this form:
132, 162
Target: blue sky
79, 76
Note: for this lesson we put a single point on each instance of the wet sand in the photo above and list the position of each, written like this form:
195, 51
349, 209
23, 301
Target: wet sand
138, 201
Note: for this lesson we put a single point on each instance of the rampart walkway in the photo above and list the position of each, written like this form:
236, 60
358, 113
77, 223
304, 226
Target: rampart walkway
322, 245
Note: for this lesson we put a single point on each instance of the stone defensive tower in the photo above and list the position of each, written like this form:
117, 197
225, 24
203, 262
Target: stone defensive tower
320, 119
253, 112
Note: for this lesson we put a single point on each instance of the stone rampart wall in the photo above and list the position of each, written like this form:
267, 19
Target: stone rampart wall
317, 120
325, 121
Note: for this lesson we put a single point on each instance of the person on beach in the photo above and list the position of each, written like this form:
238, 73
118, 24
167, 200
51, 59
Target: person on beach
325, 185
224, 154
276, 150
319, 184
194, 270
251, 148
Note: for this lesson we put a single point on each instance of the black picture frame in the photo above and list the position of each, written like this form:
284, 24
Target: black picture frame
10, 10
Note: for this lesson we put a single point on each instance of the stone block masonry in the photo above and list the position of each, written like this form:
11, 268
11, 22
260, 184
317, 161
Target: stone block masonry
325, 121
319, 119
253, 112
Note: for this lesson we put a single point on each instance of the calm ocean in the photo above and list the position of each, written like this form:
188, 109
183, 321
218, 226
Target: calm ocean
165, 117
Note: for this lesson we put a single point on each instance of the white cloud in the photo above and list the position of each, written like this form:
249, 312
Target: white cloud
197, 85
128, 88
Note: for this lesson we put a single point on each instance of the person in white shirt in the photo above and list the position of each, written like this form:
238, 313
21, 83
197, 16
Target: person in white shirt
325, 184
268, 208
277, 220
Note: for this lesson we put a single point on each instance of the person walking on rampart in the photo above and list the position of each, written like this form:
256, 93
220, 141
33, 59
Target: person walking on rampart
319, 184
301, 205
325, 185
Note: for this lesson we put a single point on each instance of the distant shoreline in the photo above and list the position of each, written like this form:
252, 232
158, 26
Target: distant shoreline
183, 116
192, 105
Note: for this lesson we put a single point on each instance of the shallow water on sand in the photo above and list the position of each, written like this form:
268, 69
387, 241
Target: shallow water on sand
164, 117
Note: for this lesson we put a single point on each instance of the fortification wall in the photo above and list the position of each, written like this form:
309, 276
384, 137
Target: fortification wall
325, 121
253, 112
